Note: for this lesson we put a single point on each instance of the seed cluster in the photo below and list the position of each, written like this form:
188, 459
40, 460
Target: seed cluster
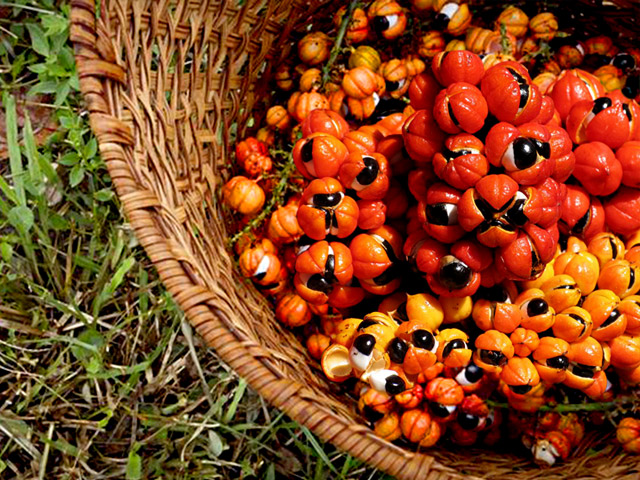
457, 226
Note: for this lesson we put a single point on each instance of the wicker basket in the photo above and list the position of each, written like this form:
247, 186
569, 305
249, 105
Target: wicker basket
164, 81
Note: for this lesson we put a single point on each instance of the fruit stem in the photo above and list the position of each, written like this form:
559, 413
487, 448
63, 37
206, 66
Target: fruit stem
335, 50
277, 199
576, 407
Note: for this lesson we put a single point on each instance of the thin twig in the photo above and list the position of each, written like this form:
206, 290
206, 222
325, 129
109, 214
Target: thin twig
577, 407
505, 43
27, 7
45, 455
346, 19
8, 32
188, 333
278, 196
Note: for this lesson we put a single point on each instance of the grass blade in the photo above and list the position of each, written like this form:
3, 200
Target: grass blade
134, 466
231, 413
31, 152
15, 160
318, 449
109, 289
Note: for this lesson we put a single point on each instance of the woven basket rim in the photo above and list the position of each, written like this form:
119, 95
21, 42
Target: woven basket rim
96, 72
100, 76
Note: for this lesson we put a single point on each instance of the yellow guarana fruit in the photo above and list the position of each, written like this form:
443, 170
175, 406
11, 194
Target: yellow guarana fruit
456, 309
426, 309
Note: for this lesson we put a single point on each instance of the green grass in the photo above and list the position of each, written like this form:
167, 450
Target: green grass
100, 374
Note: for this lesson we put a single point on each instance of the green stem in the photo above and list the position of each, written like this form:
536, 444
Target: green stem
277, 197
346, 19
505, 43
576, 407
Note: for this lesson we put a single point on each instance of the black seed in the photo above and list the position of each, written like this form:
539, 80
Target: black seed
387, 276
485, 208
260, 275
455, 275
394, 385
524, 153
307, 151
632, 277
582, 224
519, 78
629, 92
577, 317
424, 339
624, 61
452, 115
451, 154
370, 414
524, 95
520, 389
584, 371
497, 359
537, 306
327, 200
370, 171
380, 24
397, 350
580, 320
334, 219
575, 397
385, 107
595, 60
547, 333
305, 241
329, 268
614, 248
453, 344
613, 316
401, 312
499, 223
496, 293
485, 226
489, 420
440, 22
439, 410
388, 249
560, 362
328, 218
318, 283
473, 373
440, 213
468, 421
364, 343
631, 86
516, 215
366, 323
536, 263
448, 154
563, 242
627, 111
600, 104
543, 148
391, 86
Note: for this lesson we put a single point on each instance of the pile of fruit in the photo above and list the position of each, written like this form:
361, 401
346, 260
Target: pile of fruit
451, 215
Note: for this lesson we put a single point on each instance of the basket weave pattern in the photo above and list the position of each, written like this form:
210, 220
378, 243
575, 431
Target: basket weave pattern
163, 82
